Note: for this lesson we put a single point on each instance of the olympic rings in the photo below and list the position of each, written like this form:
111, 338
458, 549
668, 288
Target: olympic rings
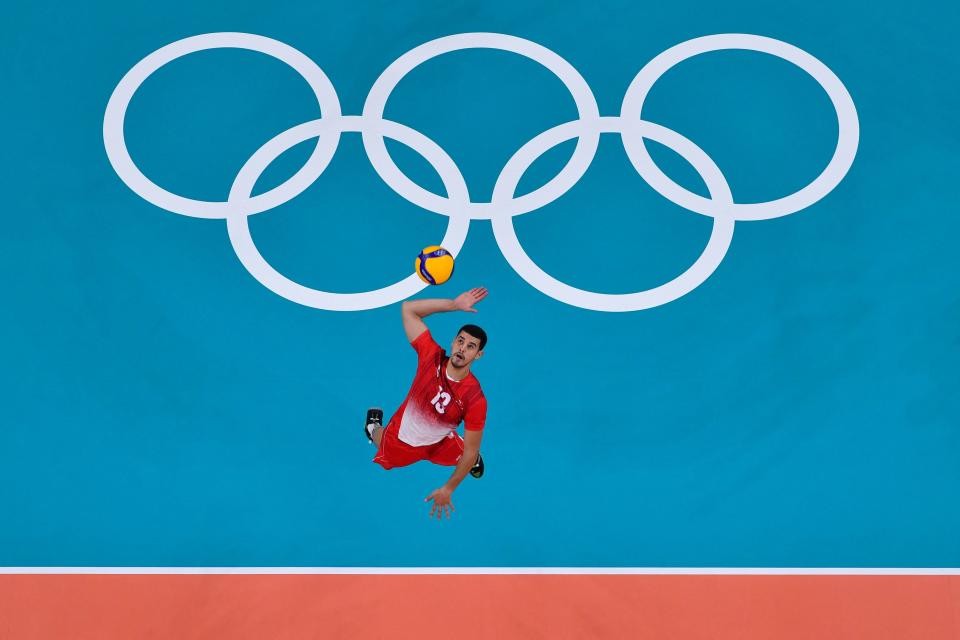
831, 176
504, 204
706, 264
239, 230
582, 156
116, 112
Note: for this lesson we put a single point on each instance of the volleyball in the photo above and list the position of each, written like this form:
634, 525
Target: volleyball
434, 265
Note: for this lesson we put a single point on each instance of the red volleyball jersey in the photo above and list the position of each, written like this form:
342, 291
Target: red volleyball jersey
436, 404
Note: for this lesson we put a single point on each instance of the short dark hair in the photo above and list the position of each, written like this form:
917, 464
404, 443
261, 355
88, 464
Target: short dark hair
476, 332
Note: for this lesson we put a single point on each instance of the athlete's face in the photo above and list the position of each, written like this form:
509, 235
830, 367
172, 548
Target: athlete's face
464, 350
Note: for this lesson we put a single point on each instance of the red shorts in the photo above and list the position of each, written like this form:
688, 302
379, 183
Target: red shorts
394, 452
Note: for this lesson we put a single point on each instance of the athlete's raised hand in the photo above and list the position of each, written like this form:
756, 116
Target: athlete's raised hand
466, 300
441, 502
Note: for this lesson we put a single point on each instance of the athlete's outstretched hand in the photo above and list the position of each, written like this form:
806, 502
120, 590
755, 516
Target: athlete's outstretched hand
466, 300
441, 502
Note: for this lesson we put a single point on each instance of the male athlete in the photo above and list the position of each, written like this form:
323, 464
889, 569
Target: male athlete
443, 394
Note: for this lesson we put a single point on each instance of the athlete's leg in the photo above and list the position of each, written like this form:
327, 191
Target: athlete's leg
477, 470
373, 426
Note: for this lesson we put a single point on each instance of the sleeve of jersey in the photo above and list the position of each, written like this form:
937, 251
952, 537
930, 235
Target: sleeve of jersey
476, 415
425, 345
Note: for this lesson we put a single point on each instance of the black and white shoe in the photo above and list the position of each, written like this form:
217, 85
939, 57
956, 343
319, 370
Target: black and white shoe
374, 420
477, 470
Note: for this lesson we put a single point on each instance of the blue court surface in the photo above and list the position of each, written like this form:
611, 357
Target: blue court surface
799, 408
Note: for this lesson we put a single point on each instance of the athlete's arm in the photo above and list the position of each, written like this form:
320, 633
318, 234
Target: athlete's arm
414, 311
441, 497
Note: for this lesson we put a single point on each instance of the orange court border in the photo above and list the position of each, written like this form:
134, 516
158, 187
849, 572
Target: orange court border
425, 603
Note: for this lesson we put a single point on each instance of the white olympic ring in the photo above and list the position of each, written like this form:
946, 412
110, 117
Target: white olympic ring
503, 205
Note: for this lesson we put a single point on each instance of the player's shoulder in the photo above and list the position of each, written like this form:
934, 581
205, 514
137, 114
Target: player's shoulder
424, 342
474, 384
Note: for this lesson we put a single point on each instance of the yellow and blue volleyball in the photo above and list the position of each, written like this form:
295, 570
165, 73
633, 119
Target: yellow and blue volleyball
434, 265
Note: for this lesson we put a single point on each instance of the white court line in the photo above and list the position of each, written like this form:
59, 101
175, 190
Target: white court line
718, 571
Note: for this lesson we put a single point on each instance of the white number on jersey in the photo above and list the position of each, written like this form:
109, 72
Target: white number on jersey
441, 400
